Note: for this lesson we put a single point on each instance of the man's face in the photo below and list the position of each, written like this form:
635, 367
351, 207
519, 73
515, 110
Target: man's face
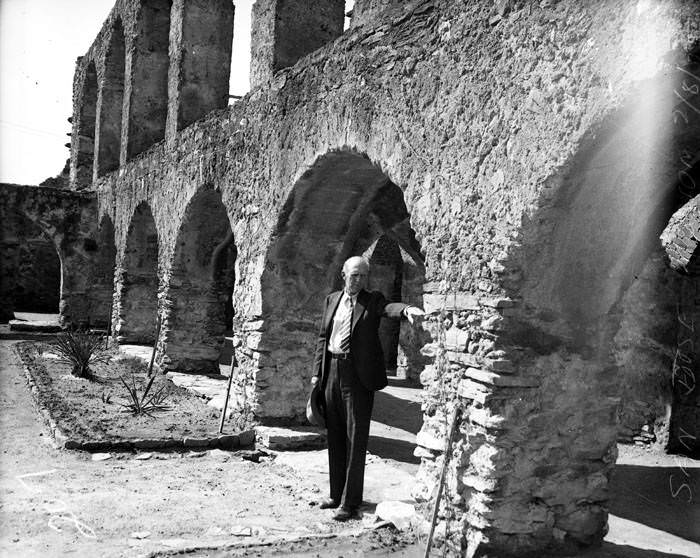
354, 278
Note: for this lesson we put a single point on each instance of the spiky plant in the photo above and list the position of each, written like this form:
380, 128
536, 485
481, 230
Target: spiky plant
80, 349
144, 404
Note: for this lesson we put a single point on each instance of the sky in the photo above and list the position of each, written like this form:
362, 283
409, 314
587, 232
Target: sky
39, 43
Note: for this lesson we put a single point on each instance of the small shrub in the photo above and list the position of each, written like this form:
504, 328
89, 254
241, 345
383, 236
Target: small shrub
80, 349
144, 404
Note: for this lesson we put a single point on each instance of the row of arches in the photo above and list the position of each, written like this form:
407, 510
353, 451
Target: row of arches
342, 206
106, 107
126, 94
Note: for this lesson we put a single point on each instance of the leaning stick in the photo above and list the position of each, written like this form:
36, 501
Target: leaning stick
445, 461
155, 345
228, 391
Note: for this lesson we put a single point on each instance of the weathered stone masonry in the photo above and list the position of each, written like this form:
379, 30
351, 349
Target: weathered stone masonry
69, 220
521, 158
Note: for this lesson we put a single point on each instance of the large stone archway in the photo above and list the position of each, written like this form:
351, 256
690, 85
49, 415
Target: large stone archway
342, 206
201, 280
584, 340
136, 312
681, 240
69, 220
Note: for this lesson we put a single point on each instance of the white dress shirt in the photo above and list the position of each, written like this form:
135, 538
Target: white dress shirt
345, 306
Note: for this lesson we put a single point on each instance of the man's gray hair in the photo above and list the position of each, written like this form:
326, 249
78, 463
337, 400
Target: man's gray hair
356, 260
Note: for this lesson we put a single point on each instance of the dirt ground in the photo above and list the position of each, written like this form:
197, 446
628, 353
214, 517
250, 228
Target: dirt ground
61, 503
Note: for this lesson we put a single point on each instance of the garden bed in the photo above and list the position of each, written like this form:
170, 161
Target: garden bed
90, 413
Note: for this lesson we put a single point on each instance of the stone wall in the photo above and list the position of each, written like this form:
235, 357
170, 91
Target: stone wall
128, 90
69, 220
527, 182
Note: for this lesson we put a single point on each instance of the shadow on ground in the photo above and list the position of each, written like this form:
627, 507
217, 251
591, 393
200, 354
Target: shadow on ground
610, 550
646, 495
398, 412
389, 448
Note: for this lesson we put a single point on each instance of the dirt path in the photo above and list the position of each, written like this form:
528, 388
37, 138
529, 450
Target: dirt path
60, 503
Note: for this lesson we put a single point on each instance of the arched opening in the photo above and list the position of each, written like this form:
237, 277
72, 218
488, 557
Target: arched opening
148, 106
112, 99
85, 149
344, 205
30, 276
103, 281
594, 329
684, 421
200, 289
137, 284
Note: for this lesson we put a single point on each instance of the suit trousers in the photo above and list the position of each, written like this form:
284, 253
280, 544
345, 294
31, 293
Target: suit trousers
348, 414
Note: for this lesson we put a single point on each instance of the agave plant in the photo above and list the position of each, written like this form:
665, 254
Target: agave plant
144, 404
80, 349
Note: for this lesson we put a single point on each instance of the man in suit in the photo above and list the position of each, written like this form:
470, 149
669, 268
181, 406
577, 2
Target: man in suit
350, 366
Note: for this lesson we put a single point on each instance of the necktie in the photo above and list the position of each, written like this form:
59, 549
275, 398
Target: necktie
346, 330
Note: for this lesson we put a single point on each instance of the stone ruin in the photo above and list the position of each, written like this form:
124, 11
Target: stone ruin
525, 171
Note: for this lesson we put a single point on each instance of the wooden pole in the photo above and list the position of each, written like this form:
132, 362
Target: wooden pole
228, 391
445, 461
155, 346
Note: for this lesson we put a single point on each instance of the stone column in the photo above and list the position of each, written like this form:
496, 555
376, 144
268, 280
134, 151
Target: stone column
200, 62
145, 106
283, 31
536, 444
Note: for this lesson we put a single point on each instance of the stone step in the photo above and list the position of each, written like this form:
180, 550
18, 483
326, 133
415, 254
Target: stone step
290, 438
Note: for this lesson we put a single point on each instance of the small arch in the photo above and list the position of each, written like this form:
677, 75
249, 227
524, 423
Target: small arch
148, 105
137, 282
199, 296
111, 101
85, 136
30, 276
344, 205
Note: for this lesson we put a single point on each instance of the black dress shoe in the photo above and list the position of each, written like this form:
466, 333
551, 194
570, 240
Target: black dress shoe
343, 514
329, 504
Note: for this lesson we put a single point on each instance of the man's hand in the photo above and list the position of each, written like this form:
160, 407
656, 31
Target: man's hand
314, 380
413, 312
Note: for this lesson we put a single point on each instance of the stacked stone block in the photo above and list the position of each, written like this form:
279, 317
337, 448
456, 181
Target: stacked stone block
682, 235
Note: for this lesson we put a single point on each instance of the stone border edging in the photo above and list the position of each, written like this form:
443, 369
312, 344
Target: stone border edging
253, 542
62, 440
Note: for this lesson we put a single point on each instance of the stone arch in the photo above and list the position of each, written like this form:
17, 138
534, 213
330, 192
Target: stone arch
136, 312
30, 275
199, 292
111, 99
582, 329
69, 220
85, 130
148, 95
399, 276
681, 241
341, 206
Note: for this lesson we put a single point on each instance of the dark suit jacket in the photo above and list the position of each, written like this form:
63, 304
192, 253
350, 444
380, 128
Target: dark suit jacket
365, 348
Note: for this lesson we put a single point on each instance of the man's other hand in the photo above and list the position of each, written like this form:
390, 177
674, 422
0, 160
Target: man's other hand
413, 312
